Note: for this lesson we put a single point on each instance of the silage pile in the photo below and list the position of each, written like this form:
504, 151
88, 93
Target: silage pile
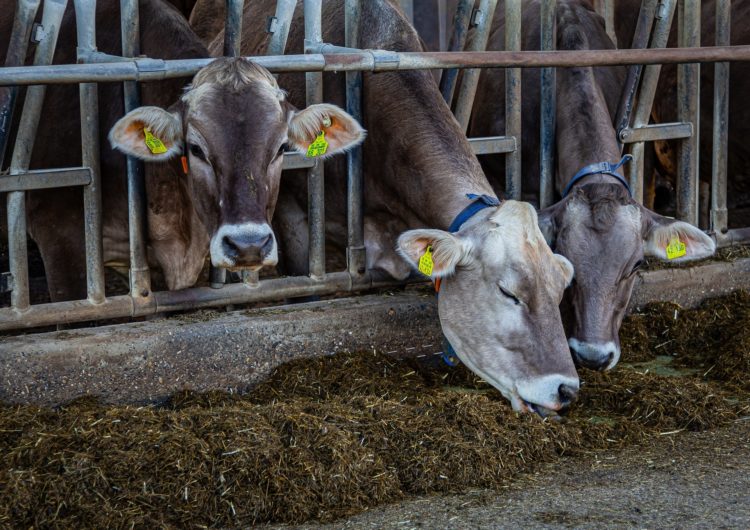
322, 439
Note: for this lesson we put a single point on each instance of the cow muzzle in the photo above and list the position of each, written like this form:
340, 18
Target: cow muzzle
549, 395
594, 355
244, 246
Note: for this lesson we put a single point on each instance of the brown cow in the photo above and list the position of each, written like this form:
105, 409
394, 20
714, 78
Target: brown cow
597, 225
498, 303
225, 199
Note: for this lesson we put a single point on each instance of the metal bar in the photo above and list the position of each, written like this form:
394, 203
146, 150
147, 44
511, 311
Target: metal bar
461, 21
493, 145
659, 38
233, 28
688, 109
32, 111
281, 23
45, 179
140, 280
483, 21
315, 175
719, 216
640, 40
407, 6
196, 298
548, 96
296, 161
658, 131
513, 99
442, 9
609, 19
92, 200
355, 246
16, 55
145, 69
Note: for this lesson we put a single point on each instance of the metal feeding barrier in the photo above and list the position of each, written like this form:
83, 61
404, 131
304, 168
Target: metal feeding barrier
94, 67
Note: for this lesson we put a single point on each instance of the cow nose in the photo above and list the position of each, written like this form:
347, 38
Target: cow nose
567, 395
594, 356
246, 249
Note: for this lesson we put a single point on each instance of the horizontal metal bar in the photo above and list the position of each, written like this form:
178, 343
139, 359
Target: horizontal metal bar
296, 161
659, 131
45, 178
735, 236
196, 298
491, 145
154, 70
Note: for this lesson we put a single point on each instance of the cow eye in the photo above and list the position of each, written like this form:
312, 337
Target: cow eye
510, 295
197, 152
282, 149
638, 265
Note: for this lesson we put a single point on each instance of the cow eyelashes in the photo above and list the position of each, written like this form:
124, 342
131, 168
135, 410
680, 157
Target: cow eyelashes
638, 265
197, 152
510, 295
282, 149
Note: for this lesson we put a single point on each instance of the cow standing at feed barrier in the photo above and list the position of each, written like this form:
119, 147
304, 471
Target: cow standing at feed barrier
596, 224
502, 284
219, 198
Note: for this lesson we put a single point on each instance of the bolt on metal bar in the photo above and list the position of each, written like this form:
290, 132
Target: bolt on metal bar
513, 99
659, 38
32, 111
140, 279
719, 215
688, 110
548, 109
355, 245
92, 196
657, 131
315, 175
233, 28
282, 22
641, 37
461, 21
16, 55
468, 89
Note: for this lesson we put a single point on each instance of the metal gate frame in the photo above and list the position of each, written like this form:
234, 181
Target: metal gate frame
95, 67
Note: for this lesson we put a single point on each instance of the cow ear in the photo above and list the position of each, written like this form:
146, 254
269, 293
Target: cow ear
672, 240
434, 253
151, 134
339, 130
548, 224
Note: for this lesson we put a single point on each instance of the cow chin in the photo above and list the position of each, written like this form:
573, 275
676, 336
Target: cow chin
246, 246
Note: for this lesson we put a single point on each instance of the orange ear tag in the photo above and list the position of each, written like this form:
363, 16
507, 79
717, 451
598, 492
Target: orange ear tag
184, 161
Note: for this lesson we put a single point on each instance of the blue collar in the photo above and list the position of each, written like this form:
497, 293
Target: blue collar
602, 168
479, 203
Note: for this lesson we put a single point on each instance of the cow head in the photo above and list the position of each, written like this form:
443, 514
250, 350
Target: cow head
606, 234
498, 303
232, 127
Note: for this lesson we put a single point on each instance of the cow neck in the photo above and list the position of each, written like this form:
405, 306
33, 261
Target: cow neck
446, 209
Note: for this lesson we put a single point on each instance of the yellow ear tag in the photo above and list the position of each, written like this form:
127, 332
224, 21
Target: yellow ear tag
675, 249
318, 147
155, 145
425, 262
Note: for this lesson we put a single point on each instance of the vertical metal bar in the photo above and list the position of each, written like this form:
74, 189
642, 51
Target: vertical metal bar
483, 21
640, 40
548, 107
609, 19
458, 40
140, 280
92, 195
407, 6
355, 250
32, 111
688, 110
461, 22
315, 176
280, 33
719, 218
233, 28
513, 99
659, 38
442, 9
17, 48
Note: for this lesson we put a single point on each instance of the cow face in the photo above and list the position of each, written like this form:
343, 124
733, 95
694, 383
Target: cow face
498, 304
232, 127
606, 234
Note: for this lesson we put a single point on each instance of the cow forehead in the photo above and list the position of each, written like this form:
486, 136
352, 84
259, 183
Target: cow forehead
257, 100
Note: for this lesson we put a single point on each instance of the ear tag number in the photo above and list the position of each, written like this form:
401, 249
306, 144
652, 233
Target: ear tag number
318, 147
155, 145
425, 262
675, 249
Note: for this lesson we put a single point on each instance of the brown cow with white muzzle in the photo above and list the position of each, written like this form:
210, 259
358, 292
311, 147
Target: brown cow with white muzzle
232, 126
596, 225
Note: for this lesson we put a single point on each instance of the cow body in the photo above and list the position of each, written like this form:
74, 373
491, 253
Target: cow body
597, 225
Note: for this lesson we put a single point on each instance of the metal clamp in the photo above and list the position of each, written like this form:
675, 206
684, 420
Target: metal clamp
272, 24
6, 282
477, 17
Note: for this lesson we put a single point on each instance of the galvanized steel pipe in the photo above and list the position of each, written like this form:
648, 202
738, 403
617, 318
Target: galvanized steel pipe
281, 23
513, 100
719, 217
461, 21
548, 110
